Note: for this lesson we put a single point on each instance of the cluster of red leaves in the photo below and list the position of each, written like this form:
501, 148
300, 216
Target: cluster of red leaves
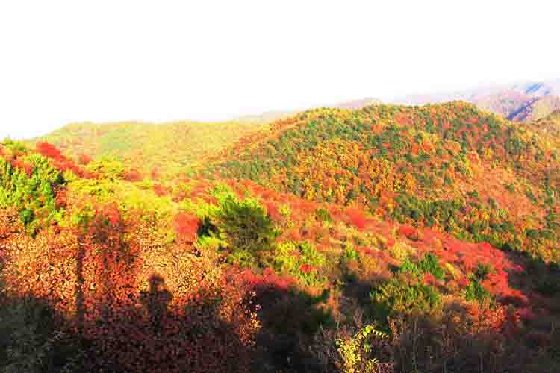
380, 256
84, 159
133, 175
186, 227
111, 214
467, 256
299, 207
497, 319
408, 231
49, 150
61, 197
356, 218
272, 210
160, 190
21, 165
307, 268
268, 279
429, 279
61, 162
155, 173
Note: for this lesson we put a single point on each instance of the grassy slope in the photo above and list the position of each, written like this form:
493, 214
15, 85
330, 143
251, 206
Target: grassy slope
170, 148
549, 126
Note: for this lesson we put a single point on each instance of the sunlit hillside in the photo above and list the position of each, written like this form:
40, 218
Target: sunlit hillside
448, 166
165, 149
382, 239
279, 186
549, 126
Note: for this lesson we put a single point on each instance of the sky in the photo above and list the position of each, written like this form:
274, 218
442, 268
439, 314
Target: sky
74, 61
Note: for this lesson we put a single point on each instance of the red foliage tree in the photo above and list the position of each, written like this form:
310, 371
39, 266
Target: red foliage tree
357, 218
49, 150
61, 162
133, 175
160, 190
186, 227
84, 159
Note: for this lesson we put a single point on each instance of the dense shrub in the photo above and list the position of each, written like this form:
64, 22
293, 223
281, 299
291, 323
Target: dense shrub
401, 296
300, 260
476, 292
428, 264
356, 353
244, 225
30, 184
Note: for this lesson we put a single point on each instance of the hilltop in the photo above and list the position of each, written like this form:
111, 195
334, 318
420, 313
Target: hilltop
166, 148
434, 165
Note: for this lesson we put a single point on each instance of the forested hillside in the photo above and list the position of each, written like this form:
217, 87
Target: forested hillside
382, 239
450, 167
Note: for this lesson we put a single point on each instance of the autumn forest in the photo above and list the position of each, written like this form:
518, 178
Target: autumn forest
359, 238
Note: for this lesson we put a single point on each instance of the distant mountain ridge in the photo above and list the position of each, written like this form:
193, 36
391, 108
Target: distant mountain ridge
520, 102
181, 145
273, 115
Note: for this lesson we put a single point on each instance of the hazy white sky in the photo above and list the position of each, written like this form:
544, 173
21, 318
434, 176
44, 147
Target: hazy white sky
66, 61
